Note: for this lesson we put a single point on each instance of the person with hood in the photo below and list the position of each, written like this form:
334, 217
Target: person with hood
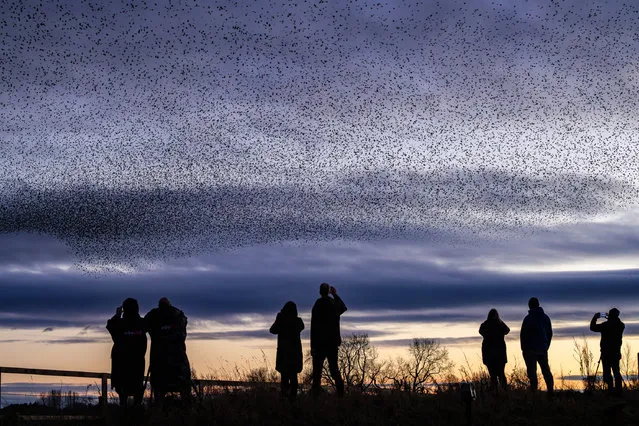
288, 361
535, 337
170, 368
611, 335
493, 348
128, 332
325, 337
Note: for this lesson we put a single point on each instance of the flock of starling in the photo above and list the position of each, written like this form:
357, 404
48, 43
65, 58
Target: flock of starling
153, 129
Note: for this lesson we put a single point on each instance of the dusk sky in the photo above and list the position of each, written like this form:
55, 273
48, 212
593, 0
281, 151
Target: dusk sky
431, 160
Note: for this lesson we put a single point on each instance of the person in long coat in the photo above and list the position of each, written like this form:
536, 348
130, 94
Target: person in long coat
128, 332
288, 362
170, 368
493, 348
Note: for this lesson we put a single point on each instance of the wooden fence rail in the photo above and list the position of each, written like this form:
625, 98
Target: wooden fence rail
197, 383
65, 373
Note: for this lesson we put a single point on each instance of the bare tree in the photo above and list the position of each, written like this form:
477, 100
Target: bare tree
358, 362
375, 371
306, 376
397, 373
427, 361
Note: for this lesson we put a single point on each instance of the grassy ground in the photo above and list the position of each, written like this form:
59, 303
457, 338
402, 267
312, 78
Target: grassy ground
516, 408
265, 407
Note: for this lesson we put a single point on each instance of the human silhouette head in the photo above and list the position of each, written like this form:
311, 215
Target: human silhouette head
493, 314
164, 303
130, 307
533, 303
289, 309
614, 313
324, 289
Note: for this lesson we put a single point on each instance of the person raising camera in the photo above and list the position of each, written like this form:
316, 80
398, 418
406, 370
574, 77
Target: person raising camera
611, 335
128, 331
325, 337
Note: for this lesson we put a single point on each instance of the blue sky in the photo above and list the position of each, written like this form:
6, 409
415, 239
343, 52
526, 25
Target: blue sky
432, 160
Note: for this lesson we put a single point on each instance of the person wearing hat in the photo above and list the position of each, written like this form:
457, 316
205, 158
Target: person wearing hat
611, 335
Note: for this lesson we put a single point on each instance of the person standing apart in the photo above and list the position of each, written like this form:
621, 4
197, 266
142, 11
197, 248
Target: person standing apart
288, 361
493, 348
325, 337
611, 335
535, 338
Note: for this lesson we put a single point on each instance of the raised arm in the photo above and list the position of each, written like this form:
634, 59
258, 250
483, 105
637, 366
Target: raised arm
111, 323
340, 307
275, 328
505, 328
593, 323
338, 303
482, 329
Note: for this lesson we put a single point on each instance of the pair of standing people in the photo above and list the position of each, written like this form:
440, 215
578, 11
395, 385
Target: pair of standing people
535, 337
169, 364
325, 341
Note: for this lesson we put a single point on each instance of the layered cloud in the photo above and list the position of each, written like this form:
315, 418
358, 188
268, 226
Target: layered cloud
386, 297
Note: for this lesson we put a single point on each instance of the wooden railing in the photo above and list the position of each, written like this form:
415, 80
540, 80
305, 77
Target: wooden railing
198, 384
60, 373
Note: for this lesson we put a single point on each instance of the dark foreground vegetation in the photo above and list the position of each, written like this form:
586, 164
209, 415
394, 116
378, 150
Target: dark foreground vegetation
263, 406
421, 388
399, 408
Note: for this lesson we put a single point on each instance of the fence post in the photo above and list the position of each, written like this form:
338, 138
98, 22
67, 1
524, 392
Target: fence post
105, 400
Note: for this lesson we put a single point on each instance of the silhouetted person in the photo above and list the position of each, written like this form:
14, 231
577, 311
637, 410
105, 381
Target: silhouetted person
288, 362
535, 337
493, 348
325, 337
611, 335
128, 332
170, 369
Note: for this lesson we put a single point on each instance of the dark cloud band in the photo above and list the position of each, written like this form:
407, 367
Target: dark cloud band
78, 300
